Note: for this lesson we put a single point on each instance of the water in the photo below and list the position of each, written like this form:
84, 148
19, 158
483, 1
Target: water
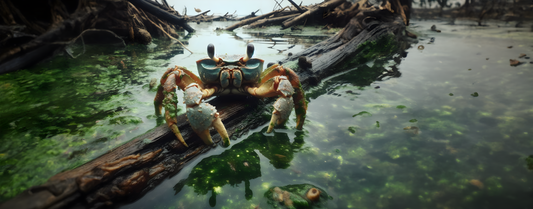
65, 112
452, 131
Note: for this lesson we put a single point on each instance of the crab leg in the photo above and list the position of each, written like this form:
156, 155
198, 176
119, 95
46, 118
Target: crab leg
219, 126
203, 115
277, 80
166, 95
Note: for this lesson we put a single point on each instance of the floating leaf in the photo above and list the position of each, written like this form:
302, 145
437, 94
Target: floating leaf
450, 94
401, 107
475, 94
362, 113
352, 129
377, 124
413, 120
529, 161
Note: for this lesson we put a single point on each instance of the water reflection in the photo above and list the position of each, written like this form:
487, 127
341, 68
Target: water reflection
241, 163
297, 196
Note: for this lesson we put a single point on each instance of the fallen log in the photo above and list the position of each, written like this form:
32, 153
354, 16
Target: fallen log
156, 11
312, 11
271, 21
250, 20
133, 169
46, 44
118, 16
247, 16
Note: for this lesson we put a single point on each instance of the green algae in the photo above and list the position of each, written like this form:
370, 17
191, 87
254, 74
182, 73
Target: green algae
65, 112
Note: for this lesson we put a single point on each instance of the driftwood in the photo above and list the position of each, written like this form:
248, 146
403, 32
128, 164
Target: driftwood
247, 16
270, 21
296, 5
250, 20
313, 11
203, 17
137, 21
133, 169
333, 13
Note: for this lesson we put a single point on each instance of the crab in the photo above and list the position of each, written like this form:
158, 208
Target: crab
218, 77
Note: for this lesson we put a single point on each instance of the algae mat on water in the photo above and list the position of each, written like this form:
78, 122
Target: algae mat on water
65, 112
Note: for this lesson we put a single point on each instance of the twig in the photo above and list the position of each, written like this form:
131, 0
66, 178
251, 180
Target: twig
278, 4
296, 5
158, 26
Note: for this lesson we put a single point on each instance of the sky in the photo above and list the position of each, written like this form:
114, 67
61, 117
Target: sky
243, 7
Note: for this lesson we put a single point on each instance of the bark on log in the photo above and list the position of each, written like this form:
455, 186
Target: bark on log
138, 166
313, 11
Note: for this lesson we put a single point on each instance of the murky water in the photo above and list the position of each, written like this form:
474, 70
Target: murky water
65, 112
452, 131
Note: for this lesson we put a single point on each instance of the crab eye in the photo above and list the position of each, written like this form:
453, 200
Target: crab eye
211, 50
250, 50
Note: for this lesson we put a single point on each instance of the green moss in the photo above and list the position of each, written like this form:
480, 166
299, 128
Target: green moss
371, 50
64, 112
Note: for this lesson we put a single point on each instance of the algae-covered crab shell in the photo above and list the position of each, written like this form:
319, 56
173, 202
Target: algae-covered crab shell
192, 95
285, 86
201, 116
284, 106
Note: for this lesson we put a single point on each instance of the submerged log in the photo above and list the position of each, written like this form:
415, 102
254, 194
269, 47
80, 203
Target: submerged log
136, 167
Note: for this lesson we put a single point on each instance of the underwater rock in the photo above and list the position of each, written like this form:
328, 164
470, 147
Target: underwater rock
143, 36
415, 129
153, 82
434, 28
477, 183
410, 35
514, 62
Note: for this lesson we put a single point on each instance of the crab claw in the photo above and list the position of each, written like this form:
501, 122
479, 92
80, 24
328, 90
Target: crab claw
282, 109
203, 115
284, 105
